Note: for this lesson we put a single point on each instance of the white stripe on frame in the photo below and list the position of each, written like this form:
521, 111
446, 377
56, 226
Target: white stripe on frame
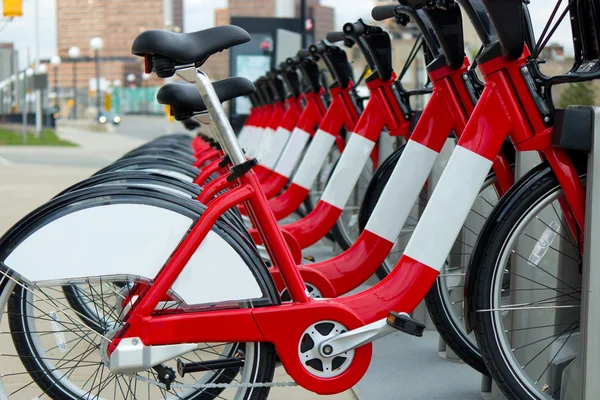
292, 152
401, 191
313, 160
279, 139
448, 208
347, 171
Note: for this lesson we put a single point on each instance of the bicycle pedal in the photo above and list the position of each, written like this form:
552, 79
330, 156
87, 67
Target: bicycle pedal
404, 323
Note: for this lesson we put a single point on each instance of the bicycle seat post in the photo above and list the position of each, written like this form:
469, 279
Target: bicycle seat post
222, 127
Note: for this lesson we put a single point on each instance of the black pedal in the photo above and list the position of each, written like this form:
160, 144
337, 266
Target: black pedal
404, 323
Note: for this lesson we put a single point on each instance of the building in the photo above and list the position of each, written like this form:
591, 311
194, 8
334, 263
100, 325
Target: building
7, 60
321, 22
117, 22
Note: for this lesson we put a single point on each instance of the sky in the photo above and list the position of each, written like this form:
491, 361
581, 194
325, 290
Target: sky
199, 14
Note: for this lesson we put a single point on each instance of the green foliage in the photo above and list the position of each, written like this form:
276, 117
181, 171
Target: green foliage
47, 138
578, 94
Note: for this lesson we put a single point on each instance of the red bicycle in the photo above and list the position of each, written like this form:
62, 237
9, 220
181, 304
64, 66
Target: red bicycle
207, 283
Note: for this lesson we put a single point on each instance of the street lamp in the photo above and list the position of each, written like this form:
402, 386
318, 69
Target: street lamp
96, 44
74, 54
55, 61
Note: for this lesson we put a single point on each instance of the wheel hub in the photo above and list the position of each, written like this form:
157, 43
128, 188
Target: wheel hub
311, 358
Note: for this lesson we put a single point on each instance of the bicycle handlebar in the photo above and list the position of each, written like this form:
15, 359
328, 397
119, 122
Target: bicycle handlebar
333, 37
304, 53
381, 13
354, 29
318, 48
292, 61
416, 4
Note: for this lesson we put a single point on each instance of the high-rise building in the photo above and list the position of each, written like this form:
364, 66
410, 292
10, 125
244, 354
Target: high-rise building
117, 22
7, 60
321, 22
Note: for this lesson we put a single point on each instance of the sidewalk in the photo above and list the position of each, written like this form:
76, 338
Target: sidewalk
95, 150
105, 143
25, 187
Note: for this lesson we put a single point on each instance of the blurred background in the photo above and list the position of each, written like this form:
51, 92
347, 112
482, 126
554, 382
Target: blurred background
70, 59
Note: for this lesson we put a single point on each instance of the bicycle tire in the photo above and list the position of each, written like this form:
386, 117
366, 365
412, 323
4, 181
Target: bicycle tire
513, 210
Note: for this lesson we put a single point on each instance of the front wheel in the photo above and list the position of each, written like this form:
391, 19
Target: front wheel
527, 290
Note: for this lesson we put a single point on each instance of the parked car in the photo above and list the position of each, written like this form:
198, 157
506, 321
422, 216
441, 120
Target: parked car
109, 117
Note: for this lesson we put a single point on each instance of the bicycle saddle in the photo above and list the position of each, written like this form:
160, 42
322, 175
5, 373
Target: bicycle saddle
184, 97
186, 48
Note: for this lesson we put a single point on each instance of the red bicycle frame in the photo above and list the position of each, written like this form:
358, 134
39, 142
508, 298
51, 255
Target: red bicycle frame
311, 117
380, 112
341, 113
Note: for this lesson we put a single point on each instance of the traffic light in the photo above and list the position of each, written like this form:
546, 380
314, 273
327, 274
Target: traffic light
12, 8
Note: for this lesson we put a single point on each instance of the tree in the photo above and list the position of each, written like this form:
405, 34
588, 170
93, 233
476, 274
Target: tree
578, 94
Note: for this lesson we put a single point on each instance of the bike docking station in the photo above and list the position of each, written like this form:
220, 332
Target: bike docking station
574, 358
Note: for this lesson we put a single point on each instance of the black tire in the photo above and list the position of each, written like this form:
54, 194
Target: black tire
514, 209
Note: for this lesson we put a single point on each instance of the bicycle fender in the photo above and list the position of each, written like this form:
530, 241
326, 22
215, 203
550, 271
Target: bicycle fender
131, 234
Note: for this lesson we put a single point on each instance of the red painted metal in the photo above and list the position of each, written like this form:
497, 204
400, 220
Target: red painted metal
206, 157
377, 114
288, 201
212, 188
206, 172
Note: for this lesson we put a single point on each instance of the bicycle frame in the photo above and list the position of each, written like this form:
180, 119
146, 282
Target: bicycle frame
281, 136
380, 112
353, 267
311, 117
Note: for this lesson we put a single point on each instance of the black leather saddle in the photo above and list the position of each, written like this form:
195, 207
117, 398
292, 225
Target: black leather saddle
177, 49
186, 101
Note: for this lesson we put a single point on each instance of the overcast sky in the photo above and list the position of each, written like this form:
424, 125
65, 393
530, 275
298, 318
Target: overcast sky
199, 14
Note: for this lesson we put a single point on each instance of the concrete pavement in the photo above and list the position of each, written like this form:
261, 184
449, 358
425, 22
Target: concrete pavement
95, 149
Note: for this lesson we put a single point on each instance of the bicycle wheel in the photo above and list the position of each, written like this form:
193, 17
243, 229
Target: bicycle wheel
62, 344
527, 290
445, 299
64, 358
